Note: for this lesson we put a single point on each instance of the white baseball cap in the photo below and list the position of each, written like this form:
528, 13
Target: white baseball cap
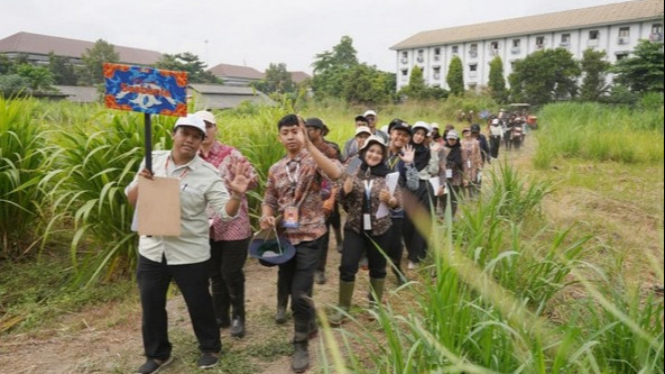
374, 139
206, 116
495, 121
370, 113
422, 125
452, 134
191, 120
363, 130
436, 126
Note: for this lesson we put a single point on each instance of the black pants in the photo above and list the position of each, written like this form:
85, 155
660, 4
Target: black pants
192, 280
495, 144
323, 250
297, 276
227, 278
355, 246
395, 249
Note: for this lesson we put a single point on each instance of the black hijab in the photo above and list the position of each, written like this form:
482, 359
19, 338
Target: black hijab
380, 170
423, 156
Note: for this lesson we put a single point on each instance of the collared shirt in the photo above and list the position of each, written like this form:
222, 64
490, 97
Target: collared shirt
298, 181
200, 187
223, 158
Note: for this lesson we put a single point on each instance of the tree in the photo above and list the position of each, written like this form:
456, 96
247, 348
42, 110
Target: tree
330, 68
455, 78
497, 81
545, 76
364, 84
94, 60
189, 62
594, 68
12, 85
39, 78
416, 89
5, 65
642, 72
278, 79
62, 70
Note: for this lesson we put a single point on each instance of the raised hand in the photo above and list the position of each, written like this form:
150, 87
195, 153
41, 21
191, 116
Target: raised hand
241, 181
303, 135
409, 154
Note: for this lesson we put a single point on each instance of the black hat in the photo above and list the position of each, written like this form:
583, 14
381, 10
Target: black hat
362, 119
398, 124
315, 123
475, 128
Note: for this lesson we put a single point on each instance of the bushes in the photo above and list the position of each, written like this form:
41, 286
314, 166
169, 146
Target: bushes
600, 133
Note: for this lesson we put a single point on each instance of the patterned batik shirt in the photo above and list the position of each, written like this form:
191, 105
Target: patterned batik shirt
224, 158
297, 182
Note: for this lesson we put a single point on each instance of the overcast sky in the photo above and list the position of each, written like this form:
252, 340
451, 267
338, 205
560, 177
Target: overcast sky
256, 33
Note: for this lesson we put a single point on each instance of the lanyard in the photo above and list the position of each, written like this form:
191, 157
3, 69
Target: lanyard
368, 188
166, 169
293, 178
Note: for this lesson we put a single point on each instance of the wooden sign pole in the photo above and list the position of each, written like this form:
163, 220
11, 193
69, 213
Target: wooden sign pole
148, 142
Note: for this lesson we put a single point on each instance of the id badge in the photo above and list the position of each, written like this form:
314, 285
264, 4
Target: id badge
367, 222
449, 173
469, 164
291, 218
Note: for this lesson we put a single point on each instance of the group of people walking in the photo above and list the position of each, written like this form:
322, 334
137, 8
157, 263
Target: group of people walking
372, 179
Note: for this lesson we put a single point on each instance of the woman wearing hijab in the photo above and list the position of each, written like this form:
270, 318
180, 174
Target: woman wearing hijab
365, 233
427, 163
452, 172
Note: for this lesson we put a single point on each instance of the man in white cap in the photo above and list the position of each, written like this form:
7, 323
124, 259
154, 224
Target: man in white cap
184, 258
229, 240
369, 120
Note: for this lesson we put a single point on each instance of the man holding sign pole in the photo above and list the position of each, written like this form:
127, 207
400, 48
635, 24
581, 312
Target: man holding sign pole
183, 258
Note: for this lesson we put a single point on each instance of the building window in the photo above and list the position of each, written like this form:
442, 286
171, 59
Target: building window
473, 68
455, 49
624, 36
565, 40
540, 42
421, 55
656, 32
437, 54
494, 48
594, 35
405, 58
517, 43
621, 56
436, 73
473, 50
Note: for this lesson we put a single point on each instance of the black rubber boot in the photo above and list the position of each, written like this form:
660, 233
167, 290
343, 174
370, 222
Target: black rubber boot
301, 357
237, 296
222, 304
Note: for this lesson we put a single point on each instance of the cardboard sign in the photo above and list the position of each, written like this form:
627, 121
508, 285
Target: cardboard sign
155, 216
145, 89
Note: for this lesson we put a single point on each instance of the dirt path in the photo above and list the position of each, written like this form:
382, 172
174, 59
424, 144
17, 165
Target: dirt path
107, 338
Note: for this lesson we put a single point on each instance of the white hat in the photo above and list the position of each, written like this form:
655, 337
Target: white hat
422, 125
370, 113
374, 139
206, 116
192, 121
495, 121
435, 126
452, 134
363, 130
385, 128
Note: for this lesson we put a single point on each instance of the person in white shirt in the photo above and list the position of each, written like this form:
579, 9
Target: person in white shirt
184, 258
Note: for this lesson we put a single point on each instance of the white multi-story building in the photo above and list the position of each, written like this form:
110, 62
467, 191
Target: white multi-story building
614, 28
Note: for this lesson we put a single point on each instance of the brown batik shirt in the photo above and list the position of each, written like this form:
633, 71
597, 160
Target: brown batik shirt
297, 182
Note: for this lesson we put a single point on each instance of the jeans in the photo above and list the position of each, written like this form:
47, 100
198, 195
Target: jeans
297, 276
227, 278
495, 145
192, 280
355, 246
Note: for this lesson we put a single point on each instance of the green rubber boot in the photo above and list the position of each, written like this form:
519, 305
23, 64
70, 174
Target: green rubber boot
376, 288
345, 297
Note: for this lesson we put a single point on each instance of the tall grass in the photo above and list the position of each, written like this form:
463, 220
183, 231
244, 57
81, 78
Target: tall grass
25, 159
100, 156
599, 132
484, 304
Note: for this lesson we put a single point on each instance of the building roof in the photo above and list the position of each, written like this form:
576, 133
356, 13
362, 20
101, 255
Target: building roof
23, 42
299, 76
80, 94
236, 71
630, 11
215, 96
